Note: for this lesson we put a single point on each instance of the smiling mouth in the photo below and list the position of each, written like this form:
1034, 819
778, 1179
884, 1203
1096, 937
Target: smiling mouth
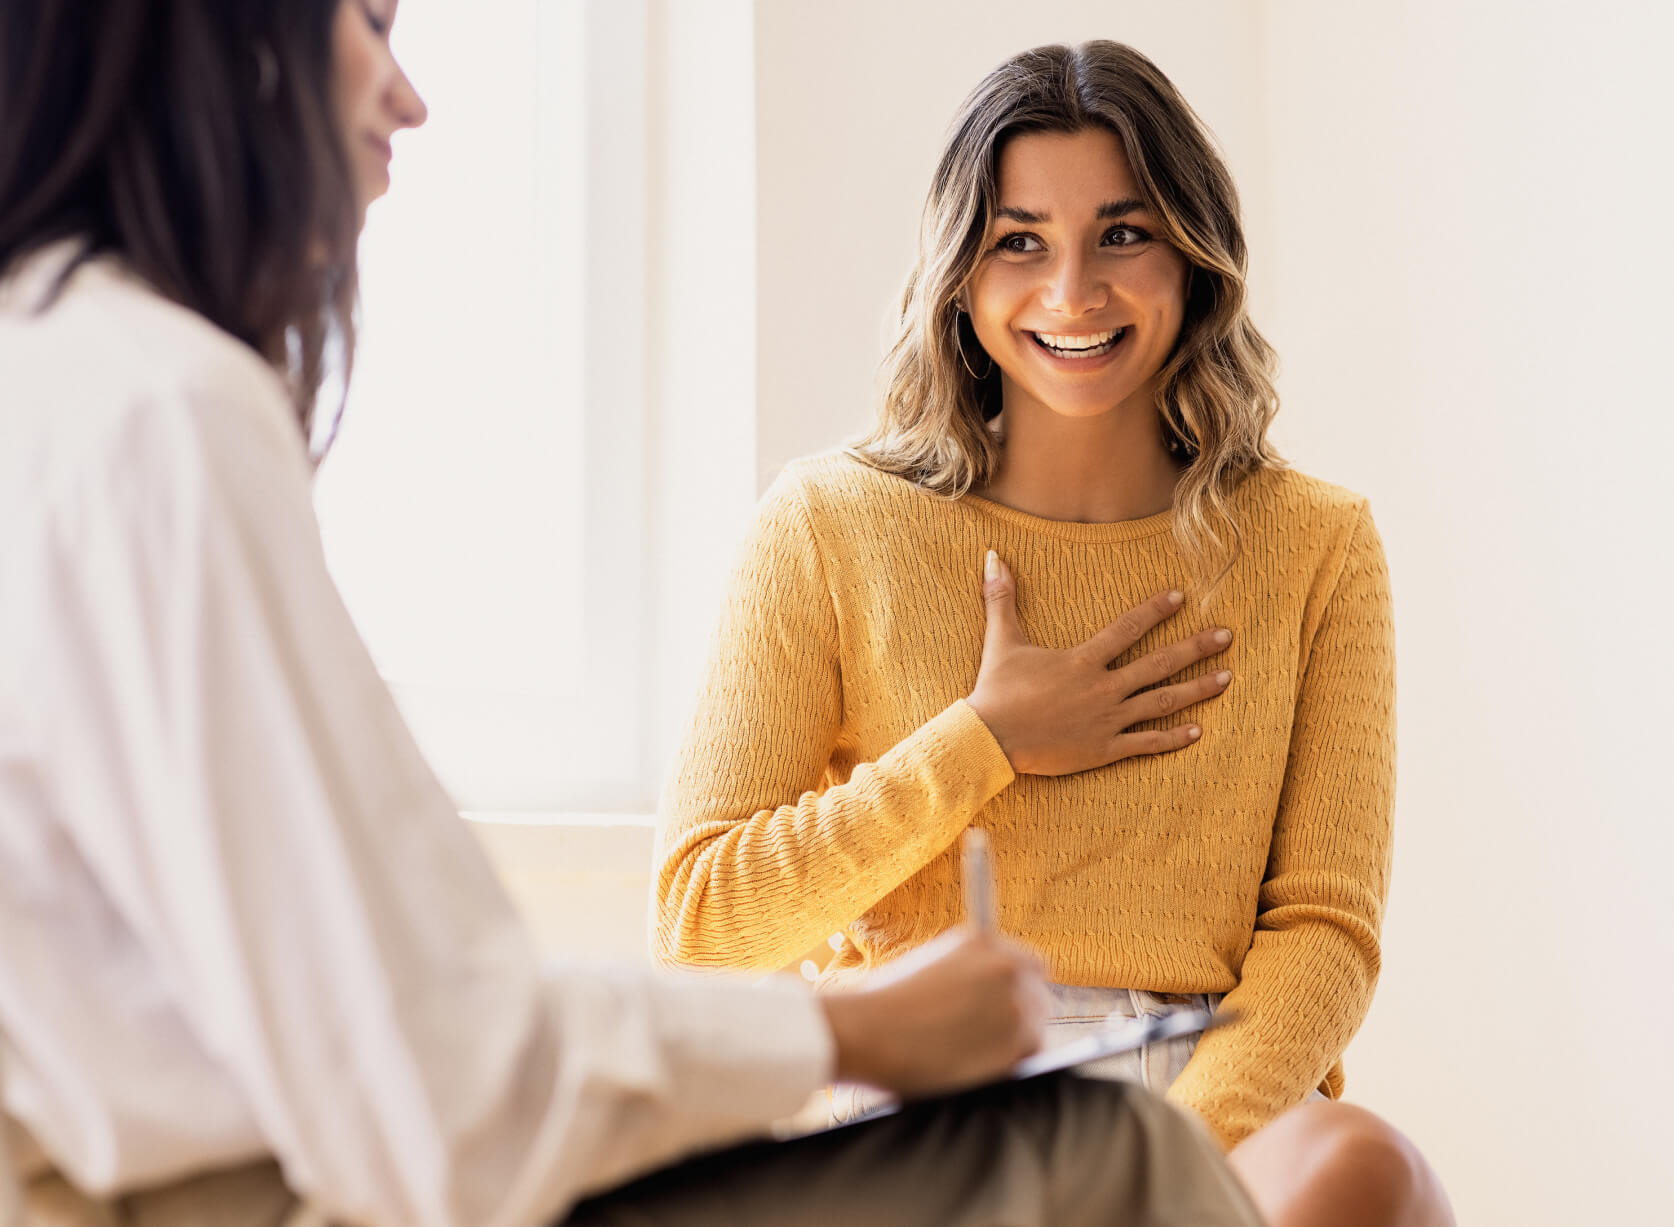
1087, 345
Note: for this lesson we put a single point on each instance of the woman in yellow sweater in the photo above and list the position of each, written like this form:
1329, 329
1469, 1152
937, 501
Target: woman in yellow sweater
1065, 590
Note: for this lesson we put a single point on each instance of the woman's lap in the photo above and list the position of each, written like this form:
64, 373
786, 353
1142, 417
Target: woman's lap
1077, 1012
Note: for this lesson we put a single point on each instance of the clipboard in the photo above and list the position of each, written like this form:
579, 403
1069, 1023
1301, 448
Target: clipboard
1127, 1036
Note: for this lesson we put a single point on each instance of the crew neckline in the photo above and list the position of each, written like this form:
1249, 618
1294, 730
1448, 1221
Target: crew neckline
1072, 530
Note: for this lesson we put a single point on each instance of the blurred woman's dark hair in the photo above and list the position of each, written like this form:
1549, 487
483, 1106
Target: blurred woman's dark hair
198, 141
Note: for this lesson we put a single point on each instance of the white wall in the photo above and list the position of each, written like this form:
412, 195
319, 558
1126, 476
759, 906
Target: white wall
1471, 275
700, 344
1456, 213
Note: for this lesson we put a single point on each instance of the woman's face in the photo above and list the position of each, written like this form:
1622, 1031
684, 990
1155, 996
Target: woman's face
1075, 298
374, 98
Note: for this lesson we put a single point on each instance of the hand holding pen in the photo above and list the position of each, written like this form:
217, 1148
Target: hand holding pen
960, 1010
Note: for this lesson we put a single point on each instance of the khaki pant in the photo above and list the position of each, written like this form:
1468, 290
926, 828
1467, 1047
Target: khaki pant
252, 1196
1059, 1151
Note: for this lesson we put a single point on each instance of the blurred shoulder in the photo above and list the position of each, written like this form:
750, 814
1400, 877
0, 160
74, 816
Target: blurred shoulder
103, 371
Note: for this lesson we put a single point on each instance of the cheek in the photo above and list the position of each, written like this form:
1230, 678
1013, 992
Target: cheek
354, 63
1177, 278
996, 295
1161, 286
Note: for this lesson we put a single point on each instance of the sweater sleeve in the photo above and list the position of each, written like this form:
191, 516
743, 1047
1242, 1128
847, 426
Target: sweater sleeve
758, 860
1307, 979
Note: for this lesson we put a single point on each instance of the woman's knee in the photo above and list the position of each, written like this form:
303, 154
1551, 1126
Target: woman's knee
1350, 1139
1322, 1160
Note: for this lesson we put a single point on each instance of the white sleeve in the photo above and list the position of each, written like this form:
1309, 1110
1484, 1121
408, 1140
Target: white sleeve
239, 780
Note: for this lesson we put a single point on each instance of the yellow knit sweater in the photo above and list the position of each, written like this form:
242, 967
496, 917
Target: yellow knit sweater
833, 762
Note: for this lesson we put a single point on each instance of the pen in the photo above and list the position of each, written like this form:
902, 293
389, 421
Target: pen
979, 882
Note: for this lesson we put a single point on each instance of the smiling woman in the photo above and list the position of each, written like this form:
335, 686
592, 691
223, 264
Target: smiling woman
1147, 219
1080, 307
1076, 389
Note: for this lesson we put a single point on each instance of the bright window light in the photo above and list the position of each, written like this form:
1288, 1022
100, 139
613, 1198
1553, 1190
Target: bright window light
457, 498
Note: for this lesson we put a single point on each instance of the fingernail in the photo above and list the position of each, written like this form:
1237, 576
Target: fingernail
1175, 597
1224, 676
1223, 636
1194, 732
991, 568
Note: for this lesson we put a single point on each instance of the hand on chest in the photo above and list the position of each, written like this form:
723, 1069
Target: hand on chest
915, 644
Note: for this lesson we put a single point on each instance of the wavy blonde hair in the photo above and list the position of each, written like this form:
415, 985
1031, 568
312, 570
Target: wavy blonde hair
1215, 392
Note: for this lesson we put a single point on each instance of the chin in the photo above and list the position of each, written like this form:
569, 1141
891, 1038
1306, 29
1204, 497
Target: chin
1085, 406
371, 182
365, 195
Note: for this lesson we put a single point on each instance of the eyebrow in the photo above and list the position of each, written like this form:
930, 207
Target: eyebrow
1110, 208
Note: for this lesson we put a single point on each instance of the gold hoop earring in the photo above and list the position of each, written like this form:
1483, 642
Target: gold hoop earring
1175, 441
959, 344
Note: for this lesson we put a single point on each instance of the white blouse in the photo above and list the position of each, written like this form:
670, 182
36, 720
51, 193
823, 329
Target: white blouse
238, 915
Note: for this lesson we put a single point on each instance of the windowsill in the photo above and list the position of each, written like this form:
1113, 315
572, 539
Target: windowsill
582, 881
557, 818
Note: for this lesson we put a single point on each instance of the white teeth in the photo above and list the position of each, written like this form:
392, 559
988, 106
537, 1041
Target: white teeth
1085, 341
1086, 344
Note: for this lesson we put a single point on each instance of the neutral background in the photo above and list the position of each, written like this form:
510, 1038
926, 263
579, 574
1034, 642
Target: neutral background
1458, 220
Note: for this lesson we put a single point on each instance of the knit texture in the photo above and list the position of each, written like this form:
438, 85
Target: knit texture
832, 763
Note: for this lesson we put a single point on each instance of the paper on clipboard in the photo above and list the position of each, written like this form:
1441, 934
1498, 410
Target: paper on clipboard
1126, 1036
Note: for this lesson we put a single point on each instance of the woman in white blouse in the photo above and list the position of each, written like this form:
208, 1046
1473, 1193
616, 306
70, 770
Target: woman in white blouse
253, 968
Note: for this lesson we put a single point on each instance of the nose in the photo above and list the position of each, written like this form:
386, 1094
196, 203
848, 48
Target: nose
404, 101
1073, 288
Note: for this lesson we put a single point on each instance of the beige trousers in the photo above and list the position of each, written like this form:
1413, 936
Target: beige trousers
251, 1196
1058, 1151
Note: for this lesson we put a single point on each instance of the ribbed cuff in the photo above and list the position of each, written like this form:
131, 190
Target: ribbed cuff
973, 757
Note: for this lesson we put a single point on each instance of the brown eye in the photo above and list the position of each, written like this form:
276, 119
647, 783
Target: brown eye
1126, 236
